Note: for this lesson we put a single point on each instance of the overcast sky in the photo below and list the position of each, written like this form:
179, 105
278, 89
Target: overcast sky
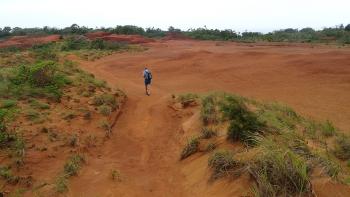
251, 15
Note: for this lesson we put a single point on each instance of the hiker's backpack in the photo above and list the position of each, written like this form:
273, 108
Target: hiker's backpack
149, 75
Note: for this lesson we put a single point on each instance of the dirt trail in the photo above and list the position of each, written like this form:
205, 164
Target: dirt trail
144, 147
145, 144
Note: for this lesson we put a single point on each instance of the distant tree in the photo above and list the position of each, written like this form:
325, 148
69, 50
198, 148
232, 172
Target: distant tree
347, 28
152, 32
173, 30
307, 30
128, 29
74, 28
6, 31
291, 30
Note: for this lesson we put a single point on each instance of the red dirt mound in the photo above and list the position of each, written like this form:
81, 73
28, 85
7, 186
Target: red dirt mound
27, 41
131, 39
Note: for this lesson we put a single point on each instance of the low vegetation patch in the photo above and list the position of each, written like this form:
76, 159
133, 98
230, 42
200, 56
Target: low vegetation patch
187, 99
190, 148
224, 163
116, 176
207, 133
39, 89
209, 111
342, 147
279, 172
61, 184
73, 165
327, 129
244, 124
282, 147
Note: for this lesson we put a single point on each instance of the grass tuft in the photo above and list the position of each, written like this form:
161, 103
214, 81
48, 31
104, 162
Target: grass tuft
190, 148
73, 165
342, 147
327, 129
187, 99
223, 163
207, 133
280, 172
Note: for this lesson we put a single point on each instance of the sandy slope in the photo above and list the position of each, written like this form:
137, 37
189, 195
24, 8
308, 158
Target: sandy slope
147, 138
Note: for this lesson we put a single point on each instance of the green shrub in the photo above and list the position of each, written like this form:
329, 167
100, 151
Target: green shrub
105, 110
190, 148
105, 99
280, 173
342, 147
99, 83
45, 52
278, 117
107, 127
97, 44
328, 164
244, 124
61, 184
6, 174
38, 105
31, 114
296, 143
8, 103
223, 163
42, 74
74, 43
327, 129
209, 113
73, 165
310, 128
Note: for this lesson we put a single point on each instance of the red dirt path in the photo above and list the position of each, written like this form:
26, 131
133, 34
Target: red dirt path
148, 137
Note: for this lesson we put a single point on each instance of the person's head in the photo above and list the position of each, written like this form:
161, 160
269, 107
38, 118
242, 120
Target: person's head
145, 68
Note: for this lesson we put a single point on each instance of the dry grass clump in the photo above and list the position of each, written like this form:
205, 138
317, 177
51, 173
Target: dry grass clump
209, 112
244, 124
187, 99
73, 165
280, 172
223, 163
342, 147
207, 133
190, 148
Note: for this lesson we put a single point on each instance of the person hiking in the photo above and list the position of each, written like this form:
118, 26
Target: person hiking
147, 75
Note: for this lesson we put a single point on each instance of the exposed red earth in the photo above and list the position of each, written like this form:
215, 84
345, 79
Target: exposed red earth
27, 41
149, 135
131, 39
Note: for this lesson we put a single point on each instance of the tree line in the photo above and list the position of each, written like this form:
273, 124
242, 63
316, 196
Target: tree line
339, 33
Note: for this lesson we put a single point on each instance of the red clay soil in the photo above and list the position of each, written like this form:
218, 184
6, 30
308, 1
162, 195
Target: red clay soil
131, 39
148, 137
95, 35
27, 41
